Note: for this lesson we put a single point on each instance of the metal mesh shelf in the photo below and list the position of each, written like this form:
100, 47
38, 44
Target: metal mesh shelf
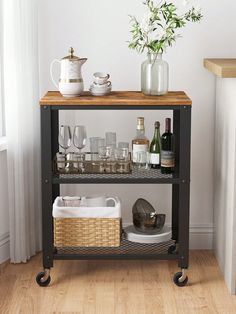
137, 176
126, 250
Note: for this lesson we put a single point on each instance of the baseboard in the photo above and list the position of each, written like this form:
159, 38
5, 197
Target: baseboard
200, 236
4, 247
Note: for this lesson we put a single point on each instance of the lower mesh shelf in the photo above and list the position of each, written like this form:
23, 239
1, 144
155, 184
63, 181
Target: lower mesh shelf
135, 174
125, 249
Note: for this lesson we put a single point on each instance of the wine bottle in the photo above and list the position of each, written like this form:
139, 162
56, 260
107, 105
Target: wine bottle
140, 143
167, 149
155, 147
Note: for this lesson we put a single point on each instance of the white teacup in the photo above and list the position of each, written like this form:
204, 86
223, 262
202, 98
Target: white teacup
96, 201
100, 78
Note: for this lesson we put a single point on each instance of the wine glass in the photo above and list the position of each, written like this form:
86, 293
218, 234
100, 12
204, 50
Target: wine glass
64, 137
79, 137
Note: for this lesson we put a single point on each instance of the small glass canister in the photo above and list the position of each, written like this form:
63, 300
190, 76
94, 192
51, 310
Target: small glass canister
70, 162
80, 162
61, 161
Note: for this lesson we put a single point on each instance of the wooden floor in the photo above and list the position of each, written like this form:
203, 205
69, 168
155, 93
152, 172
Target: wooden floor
108, 287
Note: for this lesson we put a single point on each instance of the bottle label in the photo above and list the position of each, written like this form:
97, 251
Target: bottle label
138, 149
167, 159
154, 159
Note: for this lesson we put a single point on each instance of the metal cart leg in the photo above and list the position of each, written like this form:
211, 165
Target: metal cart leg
54, 131
184, 186
175, 218
54, 149
183, 225
183, 193
43, 278
46, 186
175, 187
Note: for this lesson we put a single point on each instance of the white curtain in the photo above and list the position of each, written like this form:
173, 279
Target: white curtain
22, 127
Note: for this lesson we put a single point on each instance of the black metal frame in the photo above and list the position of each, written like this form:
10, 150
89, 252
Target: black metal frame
180, 181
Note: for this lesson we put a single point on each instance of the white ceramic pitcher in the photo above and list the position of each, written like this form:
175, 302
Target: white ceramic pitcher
71, 82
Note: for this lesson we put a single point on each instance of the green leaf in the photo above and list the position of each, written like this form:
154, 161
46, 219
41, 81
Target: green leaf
164, 15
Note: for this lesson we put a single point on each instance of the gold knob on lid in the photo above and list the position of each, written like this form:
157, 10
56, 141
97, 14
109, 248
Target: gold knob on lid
71, 56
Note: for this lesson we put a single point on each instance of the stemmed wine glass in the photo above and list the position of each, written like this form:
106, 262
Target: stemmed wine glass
64, 137
79, 137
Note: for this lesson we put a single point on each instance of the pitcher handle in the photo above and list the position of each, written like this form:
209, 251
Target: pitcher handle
51, 68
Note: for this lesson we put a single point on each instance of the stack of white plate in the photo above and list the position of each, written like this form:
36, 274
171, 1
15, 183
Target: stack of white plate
131, 234
100, 90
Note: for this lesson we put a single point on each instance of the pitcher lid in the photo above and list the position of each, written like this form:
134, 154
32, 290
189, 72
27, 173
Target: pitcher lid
71, 55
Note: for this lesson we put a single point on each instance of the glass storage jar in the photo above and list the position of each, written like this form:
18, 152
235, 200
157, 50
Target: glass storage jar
154, 75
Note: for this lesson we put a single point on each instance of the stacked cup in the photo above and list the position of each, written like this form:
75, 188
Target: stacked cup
101, 86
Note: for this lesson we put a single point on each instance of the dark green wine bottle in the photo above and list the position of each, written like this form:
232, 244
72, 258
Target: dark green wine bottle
155, 147
167, 149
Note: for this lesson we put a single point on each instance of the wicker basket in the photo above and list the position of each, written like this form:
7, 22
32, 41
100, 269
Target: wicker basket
88, 232
86, 226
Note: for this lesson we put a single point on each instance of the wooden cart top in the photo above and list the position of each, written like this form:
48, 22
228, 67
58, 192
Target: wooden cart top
118, 98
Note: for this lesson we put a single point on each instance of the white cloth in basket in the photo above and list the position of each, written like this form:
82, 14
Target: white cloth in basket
61, 210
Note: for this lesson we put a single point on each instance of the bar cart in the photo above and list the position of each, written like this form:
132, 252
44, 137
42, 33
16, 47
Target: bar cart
175, 249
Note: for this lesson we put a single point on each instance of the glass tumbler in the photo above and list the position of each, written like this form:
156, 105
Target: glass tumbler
104, 153
143, 160
95, 143
80, 162
111, 139
122, 156
123, 145
101, 142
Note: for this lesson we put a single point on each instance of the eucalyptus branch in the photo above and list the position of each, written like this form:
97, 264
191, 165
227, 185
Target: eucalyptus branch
157, 30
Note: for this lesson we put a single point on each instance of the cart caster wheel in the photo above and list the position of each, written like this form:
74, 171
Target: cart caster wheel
180, 279
172, 249
41, 280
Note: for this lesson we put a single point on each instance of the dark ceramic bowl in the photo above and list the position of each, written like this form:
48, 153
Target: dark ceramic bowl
148, 222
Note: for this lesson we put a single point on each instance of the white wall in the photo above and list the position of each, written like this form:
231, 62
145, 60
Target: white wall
4, 213
99, 30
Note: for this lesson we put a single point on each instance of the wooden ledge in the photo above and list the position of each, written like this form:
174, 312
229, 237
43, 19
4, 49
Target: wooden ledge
118, 98
225, 68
